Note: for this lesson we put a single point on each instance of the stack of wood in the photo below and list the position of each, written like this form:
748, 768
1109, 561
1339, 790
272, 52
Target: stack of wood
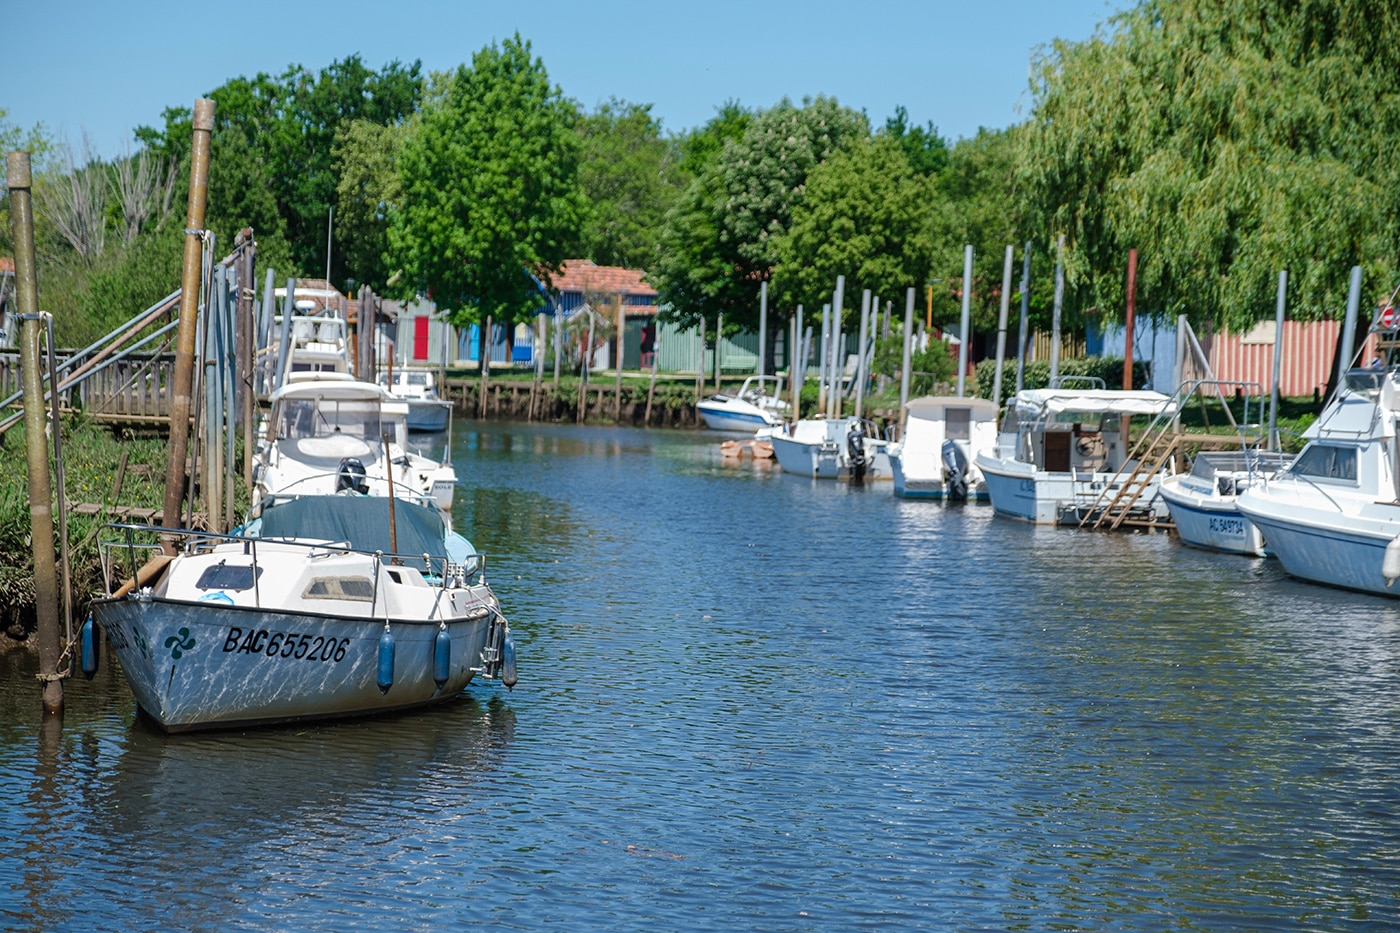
758, 449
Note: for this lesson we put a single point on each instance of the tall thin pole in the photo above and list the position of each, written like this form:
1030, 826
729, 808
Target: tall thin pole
1128, 320
822, 361
908, 351
1278, 357
865, 305
834, 372
183, 379
1001, 322
966, 320
719, 347
330, 223
1349, 330
621, 338
763, 328
1059, 305
41, 540
1025, 318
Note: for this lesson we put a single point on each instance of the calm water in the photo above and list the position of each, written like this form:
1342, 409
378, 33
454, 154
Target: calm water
751, 701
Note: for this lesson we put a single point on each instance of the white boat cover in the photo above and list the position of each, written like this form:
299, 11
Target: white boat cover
1096, 401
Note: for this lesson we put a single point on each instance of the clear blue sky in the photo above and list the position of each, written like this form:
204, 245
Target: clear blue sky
107, 67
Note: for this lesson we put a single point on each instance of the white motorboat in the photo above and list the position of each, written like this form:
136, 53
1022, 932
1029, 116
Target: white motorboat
328, 431
1333, 516
319, 340
1203, 502
831, 448
417, 387
339, 606
942, 435
1061, 451
758, 404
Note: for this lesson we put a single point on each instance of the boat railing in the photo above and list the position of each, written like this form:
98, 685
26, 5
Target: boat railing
1087, 382
441, 571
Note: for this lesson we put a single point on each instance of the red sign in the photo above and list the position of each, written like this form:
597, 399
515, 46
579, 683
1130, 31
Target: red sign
1388, 317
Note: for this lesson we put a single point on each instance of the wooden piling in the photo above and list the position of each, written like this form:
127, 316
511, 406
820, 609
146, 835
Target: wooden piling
18, 178
189, 309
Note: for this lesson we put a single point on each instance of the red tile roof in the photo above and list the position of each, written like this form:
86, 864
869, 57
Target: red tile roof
582, 275
7, 264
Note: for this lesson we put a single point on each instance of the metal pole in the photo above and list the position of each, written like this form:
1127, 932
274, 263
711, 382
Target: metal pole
908, 350
797, 364
763, 328
1025, 318
822, 361
833, 374
189, 309
1128, 320
1278, 357
1001, 323
966, 320
17, 177
1059, 304
719, 347
55, 425
860, 348
1349, 329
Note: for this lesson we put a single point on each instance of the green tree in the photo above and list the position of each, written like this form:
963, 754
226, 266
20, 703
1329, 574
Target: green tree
866, 214
629, 178
719, 240
1225, 140
490, 188
368, 190
926, 151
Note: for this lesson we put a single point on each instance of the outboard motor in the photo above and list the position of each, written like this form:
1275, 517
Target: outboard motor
350, 477
954, 470
855, 451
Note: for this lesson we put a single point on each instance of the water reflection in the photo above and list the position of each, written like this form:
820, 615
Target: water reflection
762, 701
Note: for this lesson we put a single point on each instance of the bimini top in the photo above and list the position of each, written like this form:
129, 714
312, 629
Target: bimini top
1097, 401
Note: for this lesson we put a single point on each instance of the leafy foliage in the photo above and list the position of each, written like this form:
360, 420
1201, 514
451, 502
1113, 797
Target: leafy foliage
490, 188
630, 178
720, 241
1226, 140
866, 214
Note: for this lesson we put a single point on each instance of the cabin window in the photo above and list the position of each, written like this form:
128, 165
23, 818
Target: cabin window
224, 576
1326, 461
357, 589
958, 424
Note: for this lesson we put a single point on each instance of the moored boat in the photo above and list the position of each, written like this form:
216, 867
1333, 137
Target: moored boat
942, 435
757, 405
418, 389
337, 606
1061, 451
1333, 517
1203, 503
831, 448
324, 427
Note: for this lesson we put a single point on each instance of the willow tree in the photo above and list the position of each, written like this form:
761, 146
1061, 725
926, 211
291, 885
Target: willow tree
490, 196
1225, 140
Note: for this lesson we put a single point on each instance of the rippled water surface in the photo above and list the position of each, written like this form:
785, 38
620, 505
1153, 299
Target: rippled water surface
754, 701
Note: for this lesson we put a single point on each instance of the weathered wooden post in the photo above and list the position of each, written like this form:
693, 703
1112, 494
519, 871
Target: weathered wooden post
863, 331
907, 360
17, 176
1001, 322
486, 349
1128, 320
966, 335
1025, 315
189, 310
620, 343
1058, 312
655, 361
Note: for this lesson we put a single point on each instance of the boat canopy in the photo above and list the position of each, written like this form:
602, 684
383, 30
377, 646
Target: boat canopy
1096, 401
363, 521
933, 406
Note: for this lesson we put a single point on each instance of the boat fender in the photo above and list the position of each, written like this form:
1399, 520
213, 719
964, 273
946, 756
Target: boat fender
508, 663
89, 647
442, 656
386, 660
1390, 564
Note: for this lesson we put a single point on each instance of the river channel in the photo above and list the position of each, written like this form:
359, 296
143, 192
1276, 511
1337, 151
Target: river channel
753, 701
